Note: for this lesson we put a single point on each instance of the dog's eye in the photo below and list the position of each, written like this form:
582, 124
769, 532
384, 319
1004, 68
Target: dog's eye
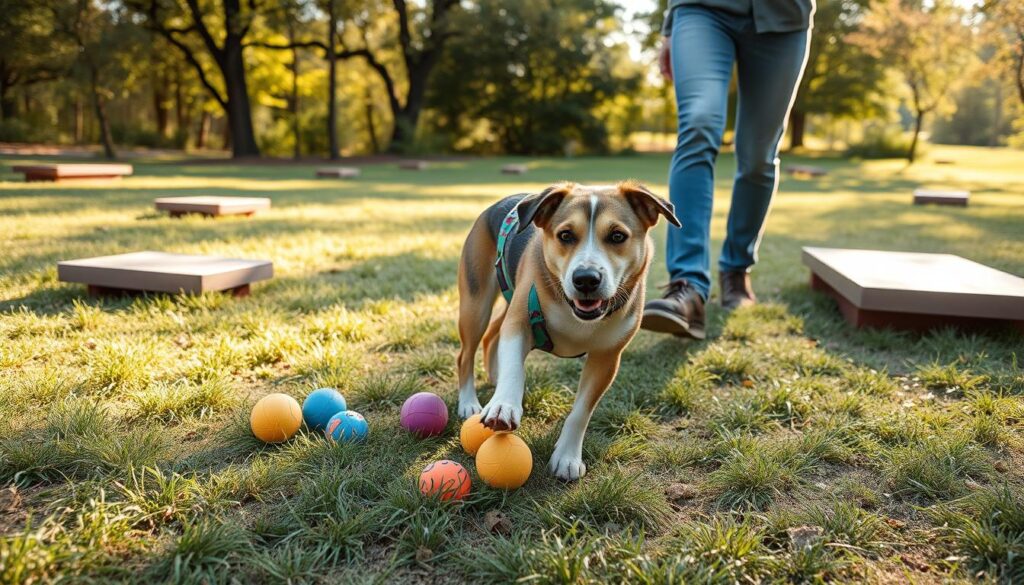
617, 237
566, 236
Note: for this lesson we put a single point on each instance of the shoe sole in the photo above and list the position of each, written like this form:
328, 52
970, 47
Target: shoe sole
666, 322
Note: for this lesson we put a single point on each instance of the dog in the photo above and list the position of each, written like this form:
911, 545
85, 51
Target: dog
571, 263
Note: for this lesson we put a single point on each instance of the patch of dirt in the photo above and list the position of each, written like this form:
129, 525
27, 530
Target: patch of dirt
13, 510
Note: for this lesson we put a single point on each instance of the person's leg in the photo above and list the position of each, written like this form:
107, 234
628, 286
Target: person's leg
769, 67
702, 60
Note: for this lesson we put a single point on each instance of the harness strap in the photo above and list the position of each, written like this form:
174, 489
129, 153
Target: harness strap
541, 339
506, 280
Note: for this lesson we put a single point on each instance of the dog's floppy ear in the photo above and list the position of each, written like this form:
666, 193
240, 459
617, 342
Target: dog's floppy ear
647, 205
539, 207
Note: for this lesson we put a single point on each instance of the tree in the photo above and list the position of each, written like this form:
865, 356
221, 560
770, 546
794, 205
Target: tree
186, 26
100, 36
929, 47
1005, 31
29, 51
420, 48
352, 31
541, 71
841, 78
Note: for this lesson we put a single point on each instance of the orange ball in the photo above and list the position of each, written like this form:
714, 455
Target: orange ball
275, 418
474, 433
504, 461
445, 479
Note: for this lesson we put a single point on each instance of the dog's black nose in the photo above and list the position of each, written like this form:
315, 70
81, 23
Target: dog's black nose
586, 280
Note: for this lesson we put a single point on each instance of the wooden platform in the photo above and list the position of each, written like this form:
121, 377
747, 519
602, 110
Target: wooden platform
514, 169
72, 172
906, 290
212, 206
163, 272
956, 198
337, 172
413, 165
805, 171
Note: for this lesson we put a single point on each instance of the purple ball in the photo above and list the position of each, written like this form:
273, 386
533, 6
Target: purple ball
425, 414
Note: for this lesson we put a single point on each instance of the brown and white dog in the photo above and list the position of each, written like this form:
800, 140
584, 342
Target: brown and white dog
585, 252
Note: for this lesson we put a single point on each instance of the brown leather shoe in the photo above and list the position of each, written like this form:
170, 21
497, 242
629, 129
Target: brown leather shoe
680, 312
736, 290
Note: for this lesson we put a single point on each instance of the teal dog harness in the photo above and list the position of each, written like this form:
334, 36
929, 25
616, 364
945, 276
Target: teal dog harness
541, 339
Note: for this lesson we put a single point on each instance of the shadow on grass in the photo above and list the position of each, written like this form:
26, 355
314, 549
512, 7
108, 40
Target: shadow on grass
402, 277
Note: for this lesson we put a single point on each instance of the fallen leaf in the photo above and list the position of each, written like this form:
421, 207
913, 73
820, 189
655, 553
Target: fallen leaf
497, 523
678, 492
804, 536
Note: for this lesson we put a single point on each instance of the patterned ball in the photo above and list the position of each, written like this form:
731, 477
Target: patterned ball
348, 427
425, 414
445, 479
320, 405
275, 418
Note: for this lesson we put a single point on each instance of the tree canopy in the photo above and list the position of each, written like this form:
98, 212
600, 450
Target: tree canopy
333, 77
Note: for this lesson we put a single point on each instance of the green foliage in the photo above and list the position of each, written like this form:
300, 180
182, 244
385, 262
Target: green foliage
540, 72
880, 142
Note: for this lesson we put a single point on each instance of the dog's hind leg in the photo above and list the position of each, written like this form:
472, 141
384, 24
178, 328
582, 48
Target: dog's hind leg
490, 342
598, 374
478, 288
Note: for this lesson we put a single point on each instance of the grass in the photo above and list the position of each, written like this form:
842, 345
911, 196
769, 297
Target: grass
126, 454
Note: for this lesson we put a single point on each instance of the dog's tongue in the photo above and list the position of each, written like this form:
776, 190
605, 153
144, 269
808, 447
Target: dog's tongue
587, 305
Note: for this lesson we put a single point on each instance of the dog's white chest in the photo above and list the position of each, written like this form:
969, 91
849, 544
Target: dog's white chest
574, 337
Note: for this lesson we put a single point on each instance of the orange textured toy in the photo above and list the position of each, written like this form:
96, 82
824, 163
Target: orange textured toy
504, 461
473, 434
275, 418
446, 479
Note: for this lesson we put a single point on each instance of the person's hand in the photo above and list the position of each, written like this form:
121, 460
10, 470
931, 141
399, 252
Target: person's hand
665, 58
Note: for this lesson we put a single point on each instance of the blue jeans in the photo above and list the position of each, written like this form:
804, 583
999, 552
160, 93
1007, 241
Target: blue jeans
705, 43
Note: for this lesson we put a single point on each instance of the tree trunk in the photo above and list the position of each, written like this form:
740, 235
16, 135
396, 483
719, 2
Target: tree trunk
371, 127
101, 118
997, 115
406, 118
204, 130
797, 126
401, 132
239, 111
293, 100
8, 105
918, 122
79, 121
160, 108
225, 135
182, 111
332, 84
1020, 73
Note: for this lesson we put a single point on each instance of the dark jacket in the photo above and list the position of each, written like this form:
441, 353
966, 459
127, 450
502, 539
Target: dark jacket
769, 15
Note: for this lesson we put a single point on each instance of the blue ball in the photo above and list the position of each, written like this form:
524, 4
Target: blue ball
348, 426
320, 406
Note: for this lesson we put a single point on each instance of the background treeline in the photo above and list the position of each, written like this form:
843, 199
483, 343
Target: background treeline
334, 77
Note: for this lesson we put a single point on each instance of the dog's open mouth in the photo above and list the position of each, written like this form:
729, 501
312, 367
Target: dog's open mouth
588, 309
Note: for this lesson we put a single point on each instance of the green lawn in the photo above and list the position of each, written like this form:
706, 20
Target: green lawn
788, 447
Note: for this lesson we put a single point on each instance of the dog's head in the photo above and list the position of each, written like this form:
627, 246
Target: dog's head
595, 239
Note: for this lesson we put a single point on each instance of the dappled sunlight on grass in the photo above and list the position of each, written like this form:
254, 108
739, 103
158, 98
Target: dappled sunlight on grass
704, 458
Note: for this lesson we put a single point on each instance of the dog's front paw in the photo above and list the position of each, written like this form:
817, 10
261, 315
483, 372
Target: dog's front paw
502, 416
567, 466
469, 406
